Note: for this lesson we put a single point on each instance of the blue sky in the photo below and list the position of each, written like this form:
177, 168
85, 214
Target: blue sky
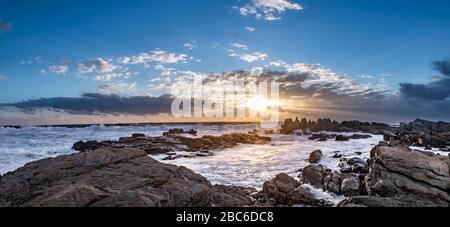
380, 42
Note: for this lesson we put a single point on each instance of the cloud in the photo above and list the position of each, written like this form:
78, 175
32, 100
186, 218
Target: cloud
437, 90
5, 26
93, 103
2, 77
159, 56
190, 45
239, 46
250, 29
119, 88
98, 65
59, 69
250, 58
111, 76
269, 10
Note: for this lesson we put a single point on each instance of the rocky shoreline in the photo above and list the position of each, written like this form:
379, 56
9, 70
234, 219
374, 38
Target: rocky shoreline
121, 173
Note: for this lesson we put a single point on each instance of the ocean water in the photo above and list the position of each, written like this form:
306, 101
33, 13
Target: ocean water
244, 165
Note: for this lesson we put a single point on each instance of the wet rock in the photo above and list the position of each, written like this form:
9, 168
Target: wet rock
179, 131
171, 143
315, 156
337, 156
351, 185
314, 175
342, 138
111, 177
398, 172
138, 135
278, 188
359, 136
372, 201
304, 195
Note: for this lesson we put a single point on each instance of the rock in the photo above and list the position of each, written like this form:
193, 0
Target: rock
332, 182
359, 136
358, 153
304, 195
353, 161
313, 175
351, 185
269, 132
399, 173
315, 156
428, 147
342, 138
179, 131
337, 156
446, 149
279, 188
113, 177
372, 201
138, 135
172, 143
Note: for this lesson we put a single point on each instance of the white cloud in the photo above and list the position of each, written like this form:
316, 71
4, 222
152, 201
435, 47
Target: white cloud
2, 77
190, 45
250, 29
268, 9
240, 46
159, 56
253, 57
59, 69
97, 66
118, 88
111, 76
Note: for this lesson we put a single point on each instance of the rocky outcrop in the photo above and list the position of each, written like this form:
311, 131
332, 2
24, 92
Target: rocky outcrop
422, 133
339, 138
290, 126
170, 143
284, 190
398, 172
111, 177
315, 156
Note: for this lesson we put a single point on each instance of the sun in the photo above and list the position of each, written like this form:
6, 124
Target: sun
258, 103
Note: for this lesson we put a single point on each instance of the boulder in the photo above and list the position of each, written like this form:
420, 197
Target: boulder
278, 188
398, 172
314, 175
342, 138
315, 156
113, 177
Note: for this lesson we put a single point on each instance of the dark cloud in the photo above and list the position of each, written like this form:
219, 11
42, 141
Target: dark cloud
439, 89
5, 26
93, 103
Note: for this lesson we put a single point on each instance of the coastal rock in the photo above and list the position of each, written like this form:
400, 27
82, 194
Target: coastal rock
351, 185
315, 156
111, 177
278, 188
313, 175
172, 143
399, 173
342, 138
179, 131
372, 201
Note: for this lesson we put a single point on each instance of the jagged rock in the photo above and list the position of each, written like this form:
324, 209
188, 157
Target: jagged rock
314, 175
315, 156
111, 177
372, 201
179, 131
342, 138
138, 135
399, 173
279, 187
171, 143
351, 185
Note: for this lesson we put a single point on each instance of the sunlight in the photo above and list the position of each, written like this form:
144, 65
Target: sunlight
259, 103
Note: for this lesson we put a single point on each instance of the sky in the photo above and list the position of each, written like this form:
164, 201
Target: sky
384, 60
